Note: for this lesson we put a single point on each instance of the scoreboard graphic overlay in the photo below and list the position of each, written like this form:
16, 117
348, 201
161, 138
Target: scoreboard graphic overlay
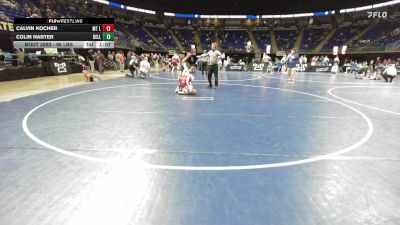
64, 33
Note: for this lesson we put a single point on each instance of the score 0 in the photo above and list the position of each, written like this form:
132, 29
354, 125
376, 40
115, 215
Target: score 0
108, 27
108, 32
108, 36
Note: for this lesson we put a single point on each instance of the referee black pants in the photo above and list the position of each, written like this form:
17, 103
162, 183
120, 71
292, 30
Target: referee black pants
203, 68
213, 69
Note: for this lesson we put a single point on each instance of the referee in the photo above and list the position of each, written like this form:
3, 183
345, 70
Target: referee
213, 56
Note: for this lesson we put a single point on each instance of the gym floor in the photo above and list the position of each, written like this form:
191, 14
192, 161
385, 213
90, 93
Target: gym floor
256, 150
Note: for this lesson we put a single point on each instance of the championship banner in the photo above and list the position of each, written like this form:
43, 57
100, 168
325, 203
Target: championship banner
280, 53
6, 26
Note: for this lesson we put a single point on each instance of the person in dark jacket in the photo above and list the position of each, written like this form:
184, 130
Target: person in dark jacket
100, 59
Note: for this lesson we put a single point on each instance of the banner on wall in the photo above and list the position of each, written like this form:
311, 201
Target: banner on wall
335, 50
59, 68
280, 53
258, 67
268, 49
301, 67
344, 48
234, 67
323, 69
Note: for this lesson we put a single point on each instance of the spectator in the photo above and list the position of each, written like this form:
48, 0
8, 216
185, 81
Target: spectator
314, 61
144, 68
121, 59
266, 58
129, 55
117, 61
293, 59
4, 17
100, 59
11, 4
175, 62
132, 65
389, 73
20, 57
336, 60
110, 56
91, 60
325, 61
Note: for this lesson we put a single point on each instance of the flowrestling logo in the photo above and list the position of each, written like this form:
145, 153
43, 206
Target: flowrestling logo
258, 67
300, 68
380, 15
61, 67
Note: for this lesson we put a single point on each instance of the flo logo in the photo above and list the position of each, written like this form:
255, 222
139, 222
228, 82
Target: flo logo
258, 67
61, 67
380, 15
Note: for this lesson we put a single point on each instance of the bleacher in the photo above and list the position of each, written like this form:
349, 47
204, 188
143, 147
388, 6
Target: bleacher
381, 35
207, 37
140, 34
13, 9
312, 37
186, 37
343, 34
234, 40
163, 36
285, 39
262, 37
